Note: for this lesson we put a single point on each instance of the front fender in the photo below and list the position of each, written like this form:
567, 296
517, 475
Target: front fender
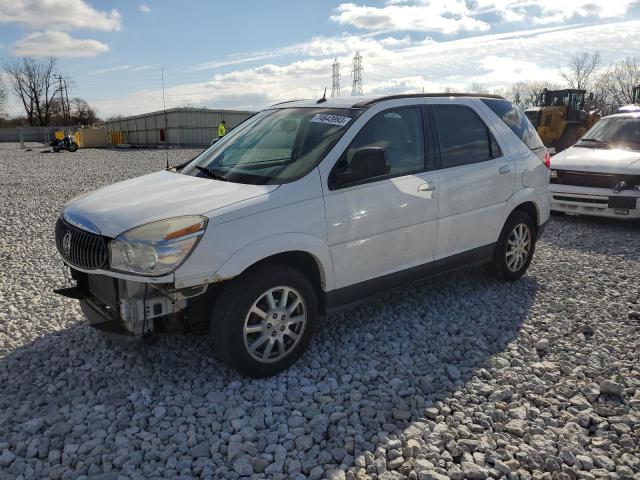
268, 246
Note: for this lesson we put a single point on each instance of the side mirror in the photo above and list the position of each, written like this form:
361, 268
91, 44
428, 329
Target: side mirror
366, 163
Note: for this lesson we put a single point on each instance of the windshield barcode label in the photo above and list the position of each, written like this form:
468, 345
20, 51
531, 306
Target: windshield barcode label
330, 119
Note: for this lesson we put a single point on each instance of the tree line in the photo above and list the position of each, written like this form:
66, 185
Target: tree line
611, 85
43, 93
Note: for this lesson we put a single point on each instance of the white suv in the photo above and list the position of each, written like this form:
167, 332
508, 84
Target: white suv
307, 206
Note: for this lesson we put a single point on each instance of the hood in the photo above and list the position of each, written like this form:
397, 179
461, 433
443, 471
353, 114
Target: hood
629, 108
124, 205
598, 160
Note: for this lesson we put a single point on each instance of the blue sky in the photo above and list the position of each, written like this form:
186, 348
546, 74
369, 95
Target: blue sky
246, 54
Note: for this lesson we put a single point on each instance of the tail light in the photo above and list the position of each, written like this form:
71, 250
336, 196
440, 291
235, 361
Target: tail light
543, 155
547, 159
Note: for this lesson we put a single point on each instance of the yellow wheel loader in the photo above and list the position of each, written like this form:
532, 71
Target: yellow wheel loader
561, 118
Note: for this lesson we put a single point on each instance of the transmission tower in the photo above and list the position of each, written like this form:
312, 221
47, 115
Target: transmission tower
335, 88
356, 73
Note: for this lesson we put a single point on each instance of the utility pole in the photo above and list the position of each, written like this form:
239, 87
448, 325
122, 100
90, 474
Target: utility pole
68, 106
356, 73
335, 88
64, 113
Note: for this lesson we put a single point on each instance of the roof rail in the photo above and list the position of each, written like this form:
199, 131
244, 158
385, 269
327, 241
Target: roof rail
289, 101
368, 103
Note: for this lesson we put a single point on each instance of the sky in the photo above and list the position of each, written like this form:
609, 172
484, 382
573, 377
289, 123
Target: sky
248, 54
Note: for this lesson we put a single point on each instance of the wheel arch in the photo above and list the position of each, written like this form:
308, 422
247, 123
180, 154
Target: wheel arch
308, 254
530, 208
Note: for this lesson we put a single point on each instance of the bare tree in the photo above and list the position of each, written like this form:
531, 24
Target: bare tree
477, 88
581, 68
82, 113
614, 87
3, 97
526, 94
36, 86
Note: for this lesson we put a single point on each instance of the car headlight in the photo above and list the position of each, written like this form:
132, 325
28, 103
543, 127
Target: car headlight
156, 248
554, 174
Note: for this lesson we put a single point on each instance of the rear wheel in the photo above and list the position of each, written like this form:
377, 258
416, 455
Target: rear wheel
56, 149
264, 319
515, 248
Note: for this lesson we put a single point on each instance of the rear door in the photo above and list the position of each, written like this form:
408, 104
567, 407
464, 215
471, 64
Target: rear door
475, 178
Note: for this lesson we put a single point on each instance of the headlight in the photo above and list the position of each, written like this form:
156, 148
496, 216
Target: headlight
156, 248
554, 174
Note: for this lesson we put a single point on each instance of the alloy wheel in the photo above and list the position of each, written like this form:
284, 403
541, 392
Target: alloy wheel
275, 324
518, 247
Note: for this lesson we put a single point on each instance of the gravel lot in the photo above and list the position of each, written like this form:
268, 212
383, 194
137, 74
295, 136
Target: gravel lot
455, 377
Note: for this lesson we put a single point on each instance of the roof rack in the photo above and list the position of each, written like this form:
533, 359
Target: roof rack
368, 103
289, 101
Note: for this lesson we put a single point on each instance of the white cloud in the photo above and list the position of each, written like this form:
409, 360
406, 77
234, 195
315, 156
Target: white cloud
59, 14
144, 8
119, 68
393, 42
58, 44
316, 47
109, 69
453, 16
495, 61
435, 16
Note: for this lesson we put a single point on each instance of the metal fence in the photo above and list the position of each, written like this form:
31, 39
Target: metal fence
179, 126
32, 134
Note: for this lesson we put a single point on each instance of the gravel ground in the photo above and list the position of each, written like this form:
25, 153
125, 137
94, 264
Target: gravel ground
455, 377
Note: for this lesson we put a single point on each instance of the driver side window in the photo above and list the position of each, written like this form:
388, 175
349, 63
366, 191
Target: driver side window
399, 134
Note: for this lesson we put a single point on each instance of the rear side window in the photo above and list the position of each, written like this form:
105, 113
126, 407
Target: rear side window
464, 138
516, 120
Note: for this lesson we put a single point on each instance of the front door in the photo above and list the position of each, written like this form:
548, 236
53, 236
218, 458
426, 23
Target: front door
387, 223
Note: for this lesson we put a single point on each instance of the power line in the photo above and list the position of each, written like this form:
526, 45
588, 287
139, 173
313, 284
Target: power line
356, 73
335, 88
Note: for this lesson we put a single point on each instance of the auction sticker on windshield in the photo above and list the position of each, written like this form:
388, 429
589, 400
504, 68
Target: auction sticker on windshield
331, 119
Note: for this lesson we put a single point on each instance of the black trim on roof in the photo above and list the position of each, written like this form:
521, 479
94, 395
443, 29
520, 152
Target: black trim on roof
290, 101
373, 101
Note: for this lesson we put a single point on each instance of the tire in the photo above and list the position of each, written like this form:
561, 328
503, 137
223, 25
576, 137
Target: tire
507, 263
235, 327
56, 149
73, 146
567, 139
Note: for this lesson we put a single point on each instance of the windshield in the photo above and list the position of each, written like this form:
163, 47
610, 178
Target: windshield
613, 132
274, 147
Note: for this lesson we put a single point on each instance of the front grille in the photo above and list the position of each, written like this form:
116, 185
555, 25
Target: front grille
81, 248
601, 201
596, 180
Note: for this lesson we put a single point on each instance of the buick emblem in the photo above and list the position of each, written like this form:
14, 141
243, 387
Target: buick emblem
66, 243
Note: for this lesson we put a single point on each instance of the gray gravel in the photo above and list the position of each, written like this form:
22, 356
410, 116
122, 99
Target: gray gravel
456, 377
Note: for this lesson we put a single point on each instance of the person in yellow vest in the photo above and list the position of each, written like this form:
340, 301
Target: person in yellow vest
222, 129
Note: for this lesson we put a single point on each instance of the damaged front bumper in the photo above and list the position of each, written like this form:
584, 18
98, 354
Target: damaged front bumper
126, 310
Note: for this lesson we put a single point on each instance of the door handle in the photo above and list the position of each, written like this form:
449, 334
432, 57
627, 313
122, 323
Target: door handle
427, 187
504, 169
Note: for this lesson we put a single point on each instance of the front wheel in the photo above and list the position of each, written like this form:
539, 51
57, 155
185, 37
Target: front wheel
515, 248
73, 146
263, 320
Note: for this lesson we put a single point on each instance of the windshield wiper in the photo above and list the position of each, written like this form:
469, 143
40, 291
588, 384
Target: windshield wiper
596, 140
212, 174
